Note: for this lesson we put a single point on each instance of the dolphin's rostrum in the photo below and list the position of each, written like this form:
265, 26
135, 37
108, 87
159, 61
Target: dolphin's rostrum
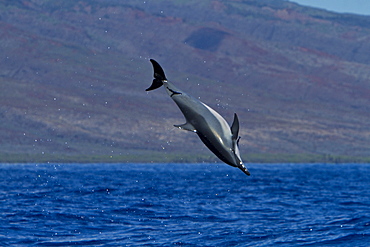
210, 126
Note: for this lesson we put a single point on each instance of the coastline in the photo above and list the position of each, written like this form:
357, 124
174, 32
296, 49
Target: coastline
159, 157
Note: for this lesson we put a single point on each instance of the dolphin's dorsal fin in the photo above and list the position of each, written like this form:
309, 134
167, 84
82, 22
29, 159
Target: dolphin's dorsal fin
186, 126
235, 128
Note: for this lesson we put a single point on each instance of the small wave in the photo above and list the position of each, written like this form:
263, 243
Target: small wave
352, 239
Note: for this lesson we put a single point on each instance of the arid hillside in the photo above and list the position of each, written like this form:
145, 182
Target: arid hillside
73, 76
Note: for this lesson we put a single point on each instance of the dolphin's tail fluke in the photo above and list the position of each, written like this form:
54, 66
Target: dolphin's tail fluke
156, 84
159, 76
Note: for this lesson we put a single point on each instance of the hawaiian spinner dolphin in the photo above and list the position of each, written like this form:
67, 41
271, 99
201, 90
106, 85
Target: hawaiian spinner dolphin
210, 126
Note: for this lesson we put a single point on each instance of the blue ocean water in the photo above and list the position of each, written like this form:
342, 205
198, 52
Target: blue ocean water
184, 204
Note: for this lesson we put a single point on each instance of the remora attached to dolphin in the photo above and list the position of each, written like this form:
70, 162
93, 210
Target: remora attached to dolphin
210, 126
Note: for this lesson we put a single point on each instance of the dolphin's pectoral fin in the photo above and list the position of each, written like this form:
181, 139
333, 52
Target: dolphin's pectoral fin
186, 126
235, 127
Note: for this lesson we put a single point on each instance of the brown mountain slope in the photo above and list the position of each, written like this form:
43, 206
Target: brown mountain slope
73, 76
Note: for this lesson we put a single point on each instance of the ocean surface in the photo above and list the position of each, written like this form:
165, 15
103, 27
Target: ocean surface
184, 204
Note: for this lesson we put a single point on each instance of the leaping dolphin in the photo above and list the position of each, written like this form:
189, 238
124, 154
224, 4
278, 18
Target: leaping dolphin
210, 126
